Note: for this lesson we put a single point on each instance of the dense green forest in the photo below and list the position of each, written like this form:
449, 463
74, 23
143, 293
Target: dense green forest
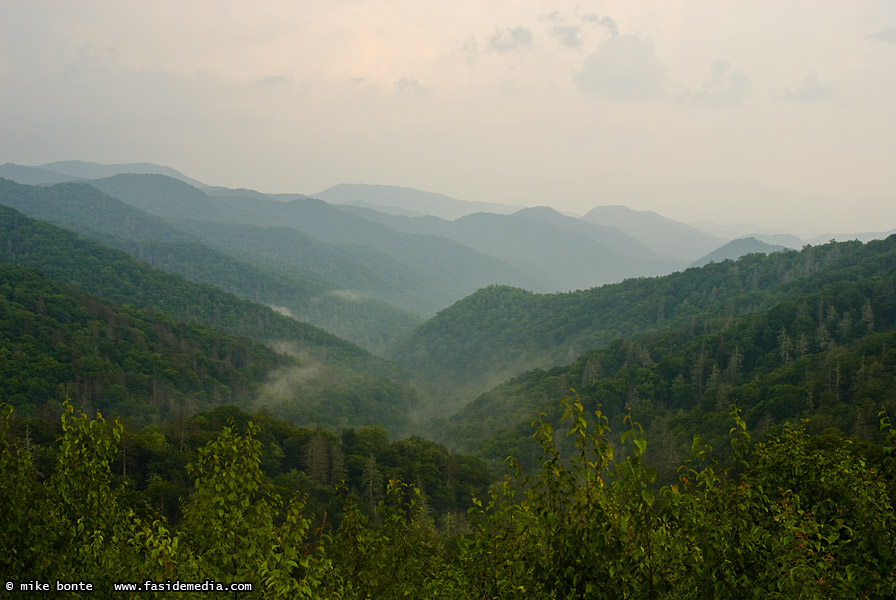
326, 381
791, 517
500, 331
828, 357
57, 342
185, 248
721, 432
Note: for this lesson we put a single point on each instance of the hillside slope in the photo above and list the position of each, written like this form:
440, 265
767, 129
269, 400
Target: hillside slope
178, 249
444, 270
335, 383
826, 355
736, 249
500, 331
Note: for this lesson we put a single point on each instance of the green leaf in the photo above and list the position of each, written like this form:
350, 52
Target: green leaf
647, 494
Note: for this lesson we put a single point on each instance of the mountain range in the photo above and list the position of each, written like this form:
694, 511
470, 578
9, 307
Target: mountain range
454, 303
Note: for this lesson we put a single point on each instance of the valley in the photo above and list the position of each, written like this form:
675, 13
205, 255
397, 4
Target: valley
378, 357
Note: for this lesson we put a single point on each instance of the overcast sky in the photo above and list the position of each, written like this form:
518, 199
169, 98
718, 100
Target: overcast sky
780, 113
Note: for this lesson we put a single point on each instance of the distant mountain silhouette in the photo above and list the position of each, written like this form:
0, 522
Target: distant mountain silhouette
419, 273
737, 248
662, 235
32, 175
87, 170
407, 201
564, 253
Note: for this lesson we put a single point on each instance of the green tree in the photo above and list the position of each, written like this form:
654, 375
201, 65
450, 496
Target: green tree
235, 527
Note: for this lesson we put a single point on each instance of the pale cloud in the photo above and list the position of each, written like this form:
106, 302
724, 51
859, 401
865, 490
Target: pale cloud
726, 86
624, 67
568, 35
409, 87
570, 30
511, 39
470, 49
607, 22
810, 89
885, 35
273, 80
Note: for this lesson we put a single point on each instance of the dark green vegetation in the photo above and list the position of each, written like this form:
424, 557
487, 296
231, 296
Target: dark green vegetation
324, 379
789, 518
248, 446
828, 356
187, 250
57, 342
500, 331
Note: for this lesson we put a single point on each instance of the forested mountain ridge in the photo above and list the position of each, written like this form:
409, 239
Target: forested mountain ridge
501, 331
828, 356
446, 269
333, 383
175, 247
793, 516
784, 364
57, 342
737, 248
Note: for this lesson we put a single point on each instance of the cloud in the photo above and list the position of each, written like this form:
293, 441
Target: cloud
510, 40
571, 35
885, 35
725, 87
568, 35
409, 87
273, 80
810, 89
624, 67
470, 49
606, 22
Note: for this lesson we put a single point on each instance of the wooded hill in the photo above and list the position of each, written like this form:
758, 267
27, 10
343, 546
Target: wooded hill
111, 222
827, 356
784, 364
327, 381
501, 331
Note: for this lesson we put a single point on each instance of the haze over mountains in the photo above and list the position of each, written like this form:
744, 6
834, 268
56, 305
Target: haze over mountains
536, 249
462, 294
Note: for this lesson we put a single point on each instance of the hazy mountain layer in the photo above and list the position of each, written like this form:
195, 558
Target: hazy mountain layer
407, 201
662, 235
444, 268
562, 253
100, 217
89, 170
32, 175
